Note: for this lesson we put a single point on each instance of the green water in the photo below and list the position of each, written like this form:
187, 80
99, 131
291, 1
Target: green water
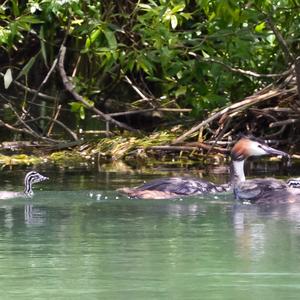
78, 239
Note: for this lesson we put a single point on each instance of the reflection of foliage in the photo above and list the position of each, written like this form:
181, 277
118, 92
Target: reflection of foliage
174, 51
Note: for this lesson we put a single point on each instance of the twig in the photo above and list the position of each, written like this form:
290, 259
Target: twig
71, 88
285, 122
288, 55
73, 134
173, 148
45, 79
29, 130
137, 89
54, 118
32, 91
140, 111
297, 71
233, 108
240, 71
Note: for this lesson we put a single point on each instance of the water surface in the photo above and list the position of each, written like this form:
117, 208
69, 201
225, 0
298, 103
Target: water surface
78, 239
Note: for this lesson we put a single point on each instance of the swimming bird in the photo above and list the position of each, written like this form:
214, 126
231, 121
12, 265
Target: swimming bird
30, 178
184, 186
259, 190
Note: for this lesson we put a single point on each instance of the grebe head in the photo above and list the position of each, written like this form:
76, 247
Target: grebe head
246, 147
31, 178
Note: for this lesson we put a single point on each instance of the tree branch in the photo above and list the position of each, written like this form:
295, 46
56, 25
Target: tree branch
71, 89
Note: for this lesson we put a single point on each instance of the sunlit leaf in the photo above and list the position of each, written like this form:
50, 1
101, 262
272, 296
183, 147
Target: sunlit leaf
7, 78
174, 21
91, 39
260, 27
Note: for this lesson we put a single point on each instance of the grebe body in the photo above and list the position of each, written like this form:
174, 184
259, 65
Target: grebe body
183, 186
173, 187
265, 191
30, 178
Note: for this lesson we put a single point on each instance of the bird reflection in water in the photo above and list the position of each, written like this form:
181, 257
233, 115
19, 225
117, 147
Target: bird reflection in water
34, 215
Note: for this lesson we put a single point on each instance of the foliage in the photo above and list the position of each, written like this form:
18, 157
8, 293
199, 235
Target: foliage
174, 51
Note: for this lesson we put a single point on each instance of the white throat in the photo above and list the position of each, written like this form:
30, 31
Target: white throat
237, 171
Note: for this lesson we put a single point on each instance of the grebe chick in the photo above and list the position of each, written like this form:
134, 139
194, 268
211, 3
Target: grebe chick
183, 186
30, 178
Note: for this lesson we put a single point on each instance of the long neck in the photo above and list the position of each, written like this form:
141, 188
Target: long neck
237, 171
28, 187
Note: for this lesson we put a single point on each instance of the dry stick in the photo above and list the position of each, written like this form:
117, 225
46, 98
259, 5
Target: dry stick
73, 134
27, 111
132, 112
297, 71
27, 131
45, 80
220, 133
240, 71
288, 55
189, 147
28, 128
12, 128
173, 148
54, 118
32, 91
236, 107
285, 122
71, 88
245, 72
280, 131
138, 90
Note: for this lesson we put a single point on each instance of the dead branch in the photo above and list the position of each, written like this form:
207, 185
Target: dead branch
241, 71
45, 80
32, 91
71, 89
61, 124
297, 71
230, 111
140, 111
173, 148
288, 55
56, 114
285, 122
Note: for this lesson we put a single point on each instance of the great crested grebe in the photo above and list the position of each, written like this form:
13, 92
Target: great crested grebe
30, 178
173, 187
259, 190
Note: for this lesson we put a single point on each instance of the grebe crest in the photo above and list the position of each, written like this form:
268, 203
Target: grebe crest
247, 147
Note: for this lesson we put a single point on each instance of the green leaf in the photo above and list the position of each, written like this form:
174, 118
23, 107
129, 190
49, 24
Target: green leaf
271, 39
144, 6
15, 8
27, 67
111, 39
82, 113
260, 27
91, 39
177, 8
181, 91
43, 46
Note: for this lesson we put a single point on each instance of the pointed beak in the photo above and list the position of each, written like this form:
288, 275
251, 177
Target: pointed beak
43, 178
272, 151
